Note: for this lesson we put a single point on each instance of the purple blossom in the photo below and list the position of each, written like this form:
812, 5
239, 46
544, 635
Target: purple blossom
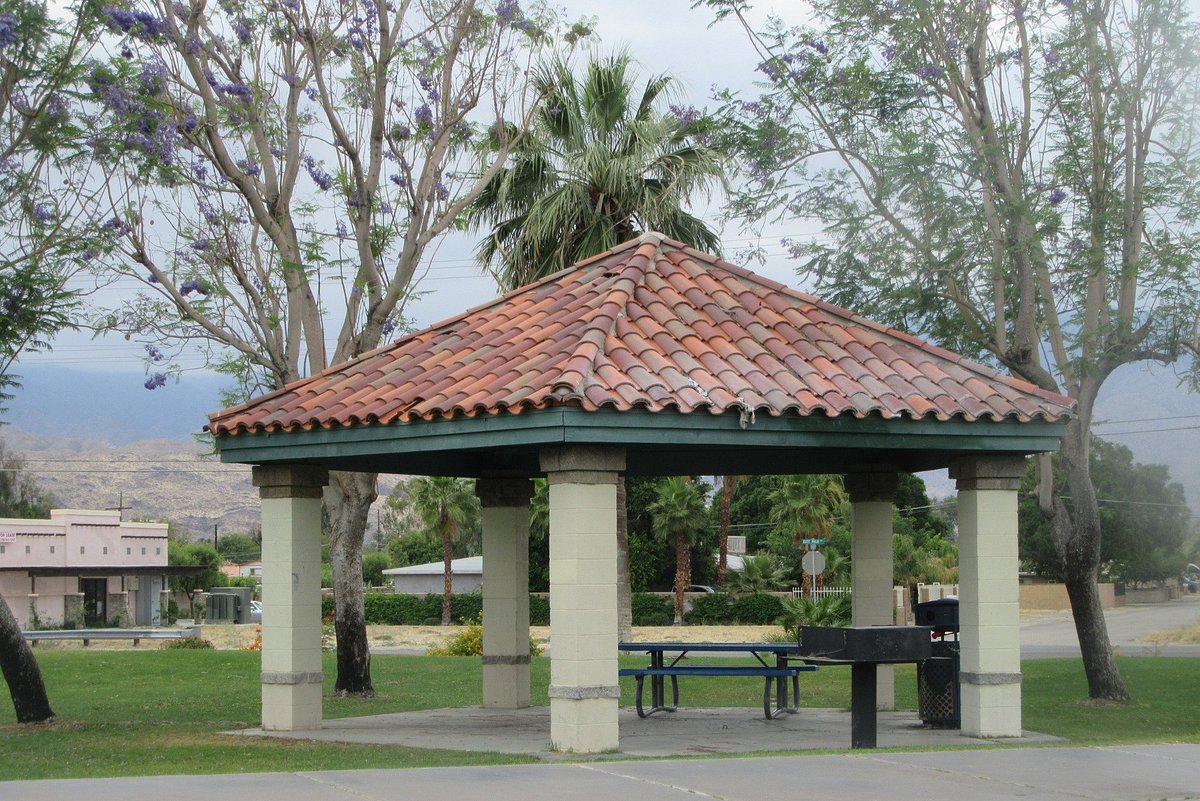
423, 115
311, 93
155, 381
239, 91
139, 24
200, 245
687, 115
890, 52
243, 29
928, 72
321, 178
507, 11
818, 45
42, 213
398, 180
208, 212
342, 230
1057, 195
1051, 57
154, 355
193, 285
389, 328
402, 132
385, 208
151, 279
8, 30
772, 70
442, 191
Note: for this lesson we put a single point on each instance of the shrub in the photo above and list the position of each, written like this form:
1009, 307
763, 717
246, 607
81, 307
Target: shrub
649, 609
757, 610
189, 644
832, 610
327, 605
469, 642
539, 610
172, 611
714, 608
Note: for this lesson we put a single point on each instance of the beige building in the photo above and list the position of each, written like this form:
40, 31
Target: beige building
83, 567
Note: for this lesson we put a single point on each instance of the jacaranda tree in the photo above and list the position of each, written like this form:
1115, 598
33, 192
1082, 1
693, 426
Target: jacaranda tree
1014, 179
287, 167
46, 233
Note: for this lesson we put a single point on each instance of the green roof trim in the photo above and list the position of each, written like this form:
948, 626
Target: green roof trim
469, 444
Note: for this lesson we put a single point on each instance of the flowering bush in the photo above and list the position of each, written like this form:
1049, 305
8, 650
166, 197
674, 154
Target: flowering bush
469, 642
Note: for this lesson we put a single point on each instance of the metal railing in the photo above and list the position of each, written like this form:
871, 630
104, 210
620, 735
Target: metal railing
191, 632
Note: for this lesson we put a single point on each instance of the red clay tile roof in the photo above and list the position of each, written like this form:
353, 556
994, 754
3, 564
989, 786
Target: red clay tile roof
656, 325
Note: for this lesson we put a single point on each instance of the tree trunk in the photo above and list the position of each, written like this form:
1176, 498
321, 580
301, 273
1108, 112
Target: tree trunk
348, 500
624, 593
723, 535
21, 672
681, 574
1077, 541
447, 575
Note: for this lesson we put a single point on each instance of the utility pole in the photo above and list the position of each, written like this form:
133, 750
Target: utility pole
120, 507
215, 527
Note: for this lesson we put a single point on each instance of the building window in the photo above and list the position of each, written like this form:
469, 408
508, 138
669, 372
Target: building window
158, 551
128, 551
143, 552
26, 549
106, 550
1, 549
81, 549
51, 549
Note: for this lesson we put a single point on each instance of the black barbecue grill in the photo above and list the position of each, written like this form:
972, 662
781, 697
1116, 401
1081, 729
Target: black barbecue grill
864, 648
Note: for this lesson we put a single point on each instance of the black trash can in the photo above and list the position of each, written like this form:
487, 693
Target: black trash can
939, 696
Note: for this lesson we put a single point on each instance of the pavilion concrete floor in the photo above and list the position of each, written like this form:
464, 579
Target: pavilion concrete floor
687, 732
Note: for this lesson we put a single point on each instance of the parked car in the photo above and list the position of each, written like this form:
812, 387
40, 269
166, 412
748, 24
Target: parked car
700, 588
256, 611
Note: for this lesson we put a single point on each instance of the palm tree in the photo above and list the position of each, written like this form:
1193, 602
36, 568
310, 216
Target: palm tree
728, 487
760, 574
806, 505
678, 513
602, 163
445, 505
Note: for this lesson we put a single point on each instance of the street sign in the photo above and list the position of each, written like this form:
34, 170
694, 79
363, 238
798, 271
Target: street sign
813, 563
813, 541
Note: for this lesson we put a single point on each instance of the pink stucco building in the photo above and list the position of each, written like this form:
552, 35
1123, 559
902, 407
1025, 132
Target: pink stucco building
83, 567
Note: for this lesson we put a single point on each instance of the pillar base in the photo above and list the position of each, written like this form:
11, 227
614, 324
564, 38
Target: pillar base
583, 726
505, 686
291, 707
991, 710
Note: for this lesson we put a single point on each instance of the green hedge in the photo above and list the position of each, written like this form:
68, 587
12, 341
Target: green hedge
649, 609
394, 609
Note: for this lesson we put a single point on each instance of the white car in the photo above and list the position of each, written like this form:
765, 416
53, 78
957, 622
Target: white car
256, 611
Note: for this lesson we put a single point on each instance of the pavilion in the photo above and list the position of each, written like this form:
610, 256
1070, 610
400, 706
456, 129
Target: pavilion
650, 359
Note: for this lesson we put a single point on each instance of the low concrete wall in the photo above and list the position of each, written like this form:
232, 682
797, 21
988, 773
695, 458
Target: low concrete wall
1054, 596
1150, 595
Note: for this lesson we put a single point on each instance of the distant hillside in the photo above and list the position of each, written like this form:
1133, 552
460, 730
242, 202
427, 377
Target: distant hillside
156, 479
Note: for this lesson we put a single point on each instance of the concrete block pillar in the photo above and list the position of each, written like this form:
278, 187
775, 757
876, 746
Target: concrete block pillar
872, 491
583, 596
505, 505
118, 609
989, 606
291, 630
72, 610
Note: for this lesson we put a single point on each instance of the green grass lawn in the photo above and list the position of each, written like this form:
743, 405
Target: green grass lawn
160, 712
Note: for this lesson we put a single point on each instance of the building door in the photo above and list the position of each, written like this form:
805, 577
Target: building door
95, 601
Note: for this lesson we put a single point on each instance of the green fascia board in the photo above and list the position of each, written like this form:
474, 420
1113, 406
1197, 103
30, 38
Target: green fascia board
575, 426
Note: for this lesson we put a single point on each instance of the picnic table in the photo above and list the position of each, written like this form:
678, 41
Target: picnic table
773, 667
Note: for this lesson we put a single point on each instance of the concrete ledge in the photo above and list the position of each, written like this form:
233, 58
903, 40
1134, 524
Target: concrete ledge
585, 692
290, 677
988, 679
506, 659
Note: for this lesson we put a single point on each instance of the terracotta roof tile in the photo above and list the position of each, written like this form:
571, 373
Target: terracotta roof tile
651, 324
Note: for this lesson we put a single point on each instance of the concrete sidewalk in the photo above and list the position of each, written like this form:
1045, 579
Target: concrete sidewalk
995, 774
